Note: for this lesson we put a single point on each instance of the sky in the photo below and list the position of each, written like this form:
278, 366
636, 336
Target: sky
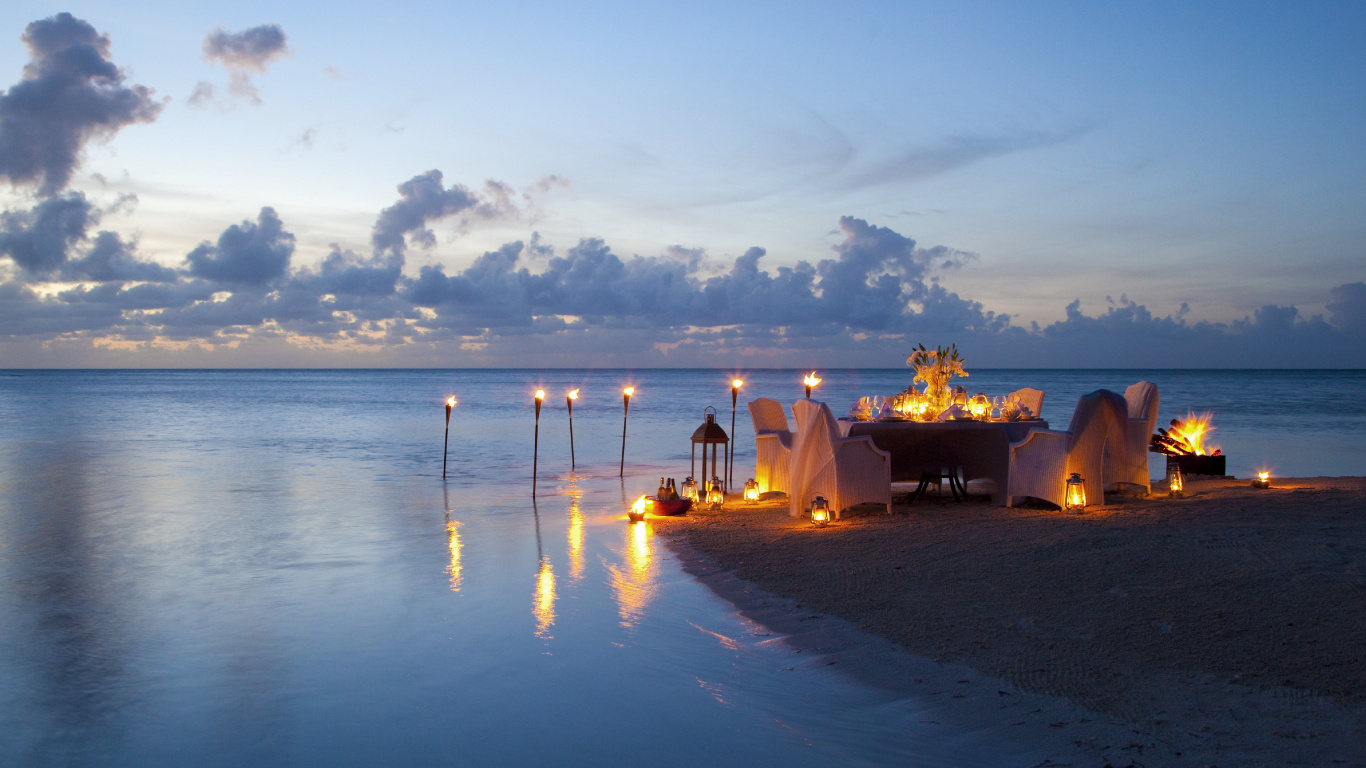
657, 185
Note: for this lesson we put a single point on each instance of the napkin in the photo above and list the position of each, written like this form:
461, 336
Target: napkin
954, 412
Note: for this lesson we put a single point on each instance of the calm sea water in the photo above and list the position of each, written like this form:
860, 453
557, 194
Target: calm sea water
266, 568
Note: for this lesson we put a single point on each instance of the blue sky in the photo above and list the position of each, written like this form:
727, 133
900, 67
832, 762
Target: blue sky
1187, 174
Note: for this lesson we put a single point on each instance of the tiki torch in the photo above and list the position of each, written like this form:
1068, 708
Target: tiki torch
810, 381
536, 441
569, 401
735, 385
625, 411
450, 403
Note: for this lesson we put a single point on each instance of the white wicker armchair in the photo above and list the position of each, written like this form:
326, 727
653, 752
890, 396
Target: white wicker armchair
1041, 463
845, 470
1032, 399
773, 444
1131, 466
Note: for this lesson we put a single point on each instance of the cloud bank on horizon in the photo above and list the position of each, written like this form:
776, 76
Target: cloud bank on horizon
75, 294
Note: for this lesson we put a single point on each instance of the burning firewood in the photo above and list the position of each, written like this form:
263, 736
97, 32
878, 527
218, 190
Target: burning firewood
1185, 438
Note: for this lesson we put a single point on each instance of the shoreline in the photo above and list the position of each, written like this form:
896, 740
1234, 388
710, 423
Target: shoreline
1147, 631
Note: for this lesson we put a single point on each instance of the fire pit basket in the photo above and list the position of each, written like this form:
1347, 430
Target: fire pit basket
1200, 465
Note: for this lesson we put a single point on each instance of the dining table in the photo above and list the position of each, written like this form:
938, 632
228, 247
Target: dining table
976, 449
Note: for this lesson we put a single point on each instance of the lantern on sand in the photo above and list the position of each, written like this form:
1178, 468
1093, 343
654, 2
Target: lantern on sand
690, 489
716, 495
1076, 495
820, 511
1263, 480
751, 491
1176, 484
709, 434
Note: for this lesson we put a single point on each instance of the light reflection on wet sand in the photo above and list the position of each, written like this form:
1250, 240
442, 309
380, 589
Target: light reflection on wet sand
634, 583
543, 607
453, 543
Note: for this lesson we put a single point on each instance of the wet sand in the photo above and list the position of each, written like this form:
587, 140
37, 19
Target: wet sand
1225, 628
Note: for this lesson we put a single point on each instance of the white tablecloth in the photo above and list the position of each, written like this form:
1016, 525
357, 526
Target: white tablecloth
980, 449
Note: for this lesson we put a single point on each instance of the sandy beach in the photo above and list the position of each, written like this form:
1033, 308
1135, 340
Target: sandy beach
1224, 628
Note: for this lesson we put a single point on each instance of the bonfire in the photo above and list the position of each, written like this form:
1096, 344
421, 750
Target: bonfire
1186, 437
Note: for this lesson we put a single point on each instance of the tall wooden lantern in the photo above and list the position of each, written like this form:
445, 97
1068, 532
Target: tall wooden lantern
710, 433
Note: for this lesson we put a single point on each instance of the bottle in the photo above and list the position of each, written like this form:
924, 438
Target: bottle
662, 493
673, 490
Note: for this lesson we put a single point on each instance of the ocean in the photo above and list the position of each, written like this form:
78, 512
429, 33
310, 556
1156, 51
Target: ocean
266, 567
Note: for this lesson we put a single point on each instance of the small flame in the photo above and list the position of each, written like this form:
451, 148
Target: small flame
810, 380
1193, 431
1263, 476
639, 507
450, 401
574, 394
629, 391
736, 384
540, 394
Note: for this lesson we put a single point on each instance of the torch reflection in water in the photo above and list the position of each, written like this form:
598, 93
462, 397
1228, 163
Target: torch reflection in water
575, 541
634, 584
544, 607
453, 541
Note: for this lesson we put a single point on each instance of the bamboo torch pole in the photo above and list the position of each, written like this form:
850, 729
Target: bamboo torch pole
625, 411
569, 401
735, 385
536, 441
450, 403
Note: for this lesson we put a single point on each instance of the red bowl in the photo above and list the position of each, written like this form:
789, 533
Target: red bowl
669, 508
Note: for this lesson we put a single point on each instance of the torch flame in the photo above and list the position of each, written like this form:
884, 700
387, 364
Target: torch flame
810, 380
1193, 432
540, 394
629, 391
574, 395
450, 401
736, 384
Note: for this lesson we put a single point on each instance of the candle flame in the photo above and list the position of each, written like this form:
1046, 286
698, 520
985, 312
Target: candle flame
450, 401
574, 394
736, 384
810, 380
629, 391
540, 394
